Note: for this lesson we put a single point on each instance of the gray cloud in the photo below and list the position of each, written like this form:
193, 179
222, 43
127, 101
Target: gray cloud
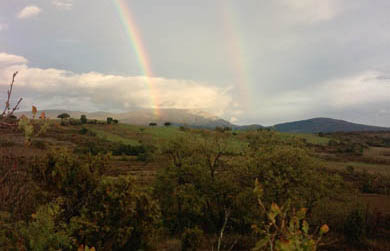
63, 4
3, 27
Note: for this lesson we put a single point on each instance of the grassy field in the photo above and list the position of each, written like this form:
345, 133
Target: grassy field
311, 138
358, 166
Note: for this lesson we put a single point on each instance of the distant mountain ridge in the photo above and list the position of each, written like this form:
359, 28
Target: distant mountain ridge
189, 117
201, 119
317, 125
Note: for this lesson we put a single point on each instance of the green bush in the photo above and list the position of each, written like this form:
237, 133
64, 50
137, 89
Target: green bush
191, 239
83, 119
117, 216
44, 232
355, 226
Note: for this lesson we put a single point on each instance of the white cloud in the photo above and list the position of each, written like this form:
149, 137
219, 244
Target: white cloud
63, 4
8, 59
29, 11
313, 10
3, 27
53, 88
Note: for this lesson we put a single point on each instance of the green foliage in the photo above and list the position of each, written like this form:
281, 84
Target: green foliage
355, 226
191, 239
83, 119
109, 120
43, 232
33, 128
63, 116
152, 124
284, 228
117, 216
27, 128
63, 174
193, 193
10, 237
286, 170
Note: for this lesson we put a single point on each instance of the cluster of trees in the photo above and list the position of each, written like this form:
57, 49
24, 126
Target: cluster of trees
66, 119
167, 124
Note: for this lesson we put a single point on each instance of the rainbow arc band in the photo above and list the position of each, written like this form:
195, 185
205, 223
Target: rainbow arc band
135, 40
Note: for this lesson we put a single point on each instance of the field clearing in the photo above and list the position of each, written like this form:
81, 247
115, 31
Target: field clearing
113, 135
377, 202
359, 167
309, 137
377, 152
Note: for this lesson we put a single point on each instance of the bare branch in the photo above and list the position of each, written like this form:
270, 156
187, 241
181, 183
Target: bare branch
15, 108
7, 112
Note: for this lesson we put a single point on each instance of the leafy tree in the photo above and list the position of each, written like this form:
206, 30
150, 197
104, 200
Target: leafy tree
167, 124
117, 216
115, 121
63, 116
83, 119
196, 190
152, 124
109, 120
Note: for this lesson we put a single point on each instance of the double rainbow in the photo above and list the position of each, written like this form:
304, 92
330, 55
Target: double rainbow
231, 30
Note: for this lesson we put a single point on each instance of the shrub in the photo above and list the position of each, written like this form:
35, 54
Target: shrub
83, 119
44, 232
40, 144
191, 239
117, 216
355, 226
74, 121
284, 228
83, 131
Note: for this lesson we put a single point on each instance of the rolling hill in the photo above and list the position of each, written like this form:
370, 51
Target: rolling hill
200, 119
317, 125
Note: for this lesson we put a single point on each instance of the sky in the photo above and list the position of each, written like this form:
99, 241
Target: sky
247, 61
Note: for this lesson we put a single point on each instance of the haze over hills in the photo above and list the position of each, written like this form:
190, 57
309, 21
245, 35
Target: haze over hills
197, 118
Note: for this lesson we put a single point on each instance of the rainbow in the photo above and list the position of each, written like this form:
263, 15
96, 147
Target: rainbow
134, 37
234, 39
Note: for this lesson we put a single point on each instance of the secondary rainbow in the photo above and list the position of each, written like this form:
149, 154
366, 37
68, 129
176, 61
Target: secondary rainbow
136, 41
236, 44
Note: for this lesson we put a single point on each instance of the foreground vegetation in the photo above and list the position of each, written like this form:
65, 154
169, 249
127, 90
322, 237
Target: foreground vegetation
71, 184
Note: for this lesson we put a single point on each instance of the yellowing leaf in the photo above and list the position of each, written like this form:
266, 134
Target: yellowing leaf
324, 229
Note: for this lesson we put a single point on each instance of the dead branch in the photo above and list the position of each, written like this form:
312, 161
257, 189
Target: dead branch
8, 112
